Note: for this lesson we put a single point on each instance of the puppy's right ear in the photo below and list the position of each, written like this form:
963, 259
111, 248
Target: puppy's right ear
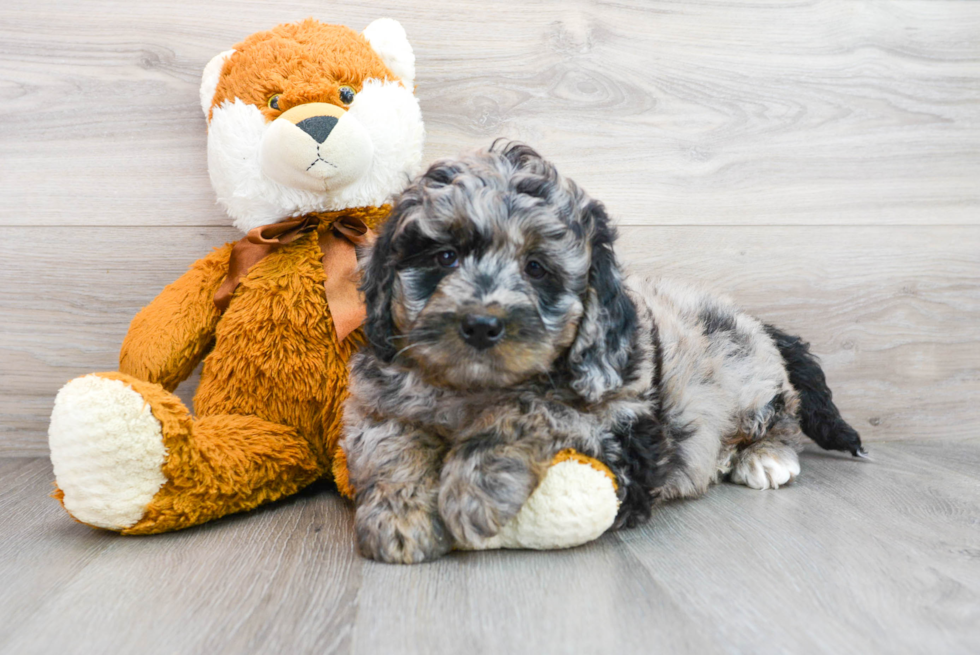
377, 281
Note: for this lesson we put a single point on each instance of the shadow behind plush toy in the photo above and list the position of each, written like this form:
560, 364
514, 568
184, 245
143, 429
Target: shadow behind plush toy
311, 127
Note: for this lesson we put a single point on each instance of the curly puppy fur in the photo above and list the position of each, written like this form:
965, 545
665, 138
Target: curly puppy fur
501, 330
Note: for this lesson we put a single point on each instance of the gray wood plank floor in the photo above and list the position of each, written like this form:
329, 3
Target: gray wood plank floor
857, 557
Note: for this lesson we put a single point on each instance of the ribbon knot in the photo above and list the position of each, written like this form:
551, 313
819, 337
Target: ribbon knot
339, 259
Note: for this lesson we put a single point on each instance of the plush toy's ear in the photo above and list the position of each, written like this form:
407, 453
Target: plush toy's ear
388, 38
209, 80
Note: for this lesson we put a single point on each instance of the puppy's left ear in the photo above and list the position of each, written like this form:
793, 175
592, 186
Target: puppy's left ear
602, 345
376, 284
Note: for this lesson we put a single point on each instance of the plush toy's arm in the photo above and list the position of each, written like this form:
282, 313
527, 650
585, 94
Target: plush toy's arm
168, 337
574, 504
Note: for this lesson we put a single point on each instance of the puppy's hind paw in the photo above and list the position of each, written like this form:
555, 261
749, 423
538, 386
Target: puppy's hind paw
766, 467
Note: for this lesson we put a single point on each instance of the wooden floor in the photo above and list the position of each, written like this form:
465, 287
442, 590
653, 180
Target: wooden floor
819, 160
858, 557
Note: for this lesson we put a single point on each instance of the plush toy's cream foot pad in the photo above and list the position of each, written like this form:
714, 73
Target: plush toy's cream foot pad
574, 504
107, 451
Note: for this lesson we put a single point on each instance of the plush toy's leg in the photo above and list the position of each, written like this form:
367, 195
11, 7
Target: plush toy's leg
129, 457
574, 504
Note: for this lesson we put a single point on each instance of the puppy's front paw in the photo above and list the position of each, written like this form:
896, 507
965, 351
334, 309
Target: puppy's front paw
766, 467
399, 530
470, 514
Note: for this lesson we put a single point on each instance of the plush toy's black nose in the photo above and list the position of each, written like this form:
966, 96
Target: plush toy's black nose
318, 127
480, 330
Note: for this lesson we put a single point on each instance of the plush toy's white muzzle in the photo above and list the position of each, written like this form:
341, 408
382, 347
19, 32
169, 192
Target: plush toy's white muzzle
352, 156
316, 147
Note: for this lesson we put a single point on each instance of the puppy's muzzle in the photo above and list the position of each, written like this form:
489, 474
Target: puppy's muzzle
481, 331
316, 146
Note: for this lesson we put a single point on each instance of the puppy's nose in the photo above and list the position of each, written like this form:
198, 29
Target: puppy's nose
481, 330
318, 127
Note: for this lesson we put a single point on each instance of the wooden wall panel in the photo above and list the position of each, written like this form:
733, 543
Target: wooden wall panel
893, 311
694, 112
816, 159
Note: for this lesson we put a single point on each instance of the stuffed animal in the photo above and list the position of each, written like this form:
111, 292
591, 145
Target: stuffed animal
311, 127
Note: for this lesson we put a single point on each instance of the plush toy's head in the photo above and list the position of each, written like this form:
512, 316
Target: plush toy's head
310, 117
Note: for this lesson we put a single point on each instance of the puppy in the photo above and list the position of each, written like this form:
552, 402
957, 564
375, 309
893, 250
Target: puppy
501, 330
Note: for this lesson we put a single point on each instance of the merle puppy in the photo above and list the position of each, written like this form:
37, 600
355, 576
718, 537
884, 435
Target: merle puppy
501, 330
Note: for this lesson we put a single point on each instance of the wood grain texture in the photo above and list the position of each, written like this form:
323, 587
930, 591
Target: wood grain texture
894, 312
681, 112
856, 557
260, 581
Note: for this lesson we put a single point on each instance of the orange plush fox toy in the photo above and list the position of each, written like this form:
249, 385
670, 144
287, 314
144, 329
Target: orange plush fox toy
311, 128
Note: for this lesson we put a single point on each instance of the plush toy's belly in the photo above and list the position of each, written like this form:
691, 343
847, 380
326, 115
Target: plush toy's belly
276, 354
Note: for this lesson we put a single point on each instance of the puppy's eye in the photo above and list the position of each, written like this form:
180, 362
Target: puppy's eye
346, 95
447, 259
274, 102
535, 270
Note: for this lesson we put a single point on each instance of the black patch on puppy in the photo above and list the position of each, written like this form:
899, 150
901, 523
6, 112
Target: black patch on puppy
819, 417
519, 154
478, 444
639, 473
377, 283
774, 409
550, 290
440, 174
715, 321
536, 187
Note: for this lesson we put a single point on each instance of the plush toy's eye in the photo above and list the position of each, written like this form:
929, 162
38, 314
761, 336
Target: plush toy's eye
346, 95
535, 270
274, 102
447, 259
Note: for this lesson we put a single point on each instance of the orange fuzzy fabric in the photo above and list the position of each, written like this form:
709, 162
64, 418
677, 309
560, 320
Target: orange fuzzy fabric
303, 62
272, 386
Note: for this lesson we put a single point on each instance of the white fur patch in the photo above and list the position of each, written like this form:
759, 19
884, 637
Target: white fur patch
573, 505
107, 451
387, 111
295, 159
769, 467
387, 37
210, 79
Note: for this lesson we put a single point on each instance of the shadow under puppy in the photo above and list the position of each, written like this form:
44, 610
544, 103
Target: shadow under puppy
501, 331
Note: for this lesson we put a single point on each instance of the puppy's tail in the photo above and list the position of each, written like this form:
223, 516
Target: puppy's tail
819, 417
